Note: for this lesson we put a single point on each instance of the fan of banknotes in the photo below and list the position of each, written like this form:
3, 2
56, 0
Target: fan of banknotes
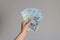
35, 15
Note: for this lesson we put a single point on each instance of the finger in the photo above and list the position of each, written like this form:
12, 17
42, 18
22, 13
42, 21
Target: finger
23, 23
27, 22
27, 26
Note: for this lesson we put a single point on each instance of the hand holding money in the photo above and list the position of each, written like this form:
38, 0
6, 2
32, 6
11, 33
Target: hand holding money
34, 15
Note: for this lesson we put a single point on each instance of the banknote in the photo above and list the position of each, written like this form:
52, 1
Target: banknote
35, 15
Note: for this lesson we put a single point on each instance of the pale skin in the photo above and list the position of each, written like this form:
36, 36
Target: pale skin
24, 30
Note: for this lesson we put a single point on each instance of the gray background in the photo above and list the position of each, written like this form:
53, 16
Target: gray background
11, 18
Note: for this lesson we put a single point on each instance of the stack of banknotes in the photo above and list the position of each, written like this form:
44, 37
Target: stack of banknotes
35, 15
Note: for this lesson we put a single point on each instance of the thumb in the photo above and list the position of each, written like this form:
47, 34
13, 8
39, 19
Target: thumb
28, 23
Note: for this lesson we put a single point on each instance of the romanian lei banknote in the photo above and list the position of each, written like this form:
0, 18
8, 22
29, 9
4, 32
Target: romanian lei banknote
35, 15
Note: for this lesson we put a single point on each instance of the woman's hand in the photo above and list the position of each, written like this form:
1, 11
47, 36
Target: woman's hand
24, 30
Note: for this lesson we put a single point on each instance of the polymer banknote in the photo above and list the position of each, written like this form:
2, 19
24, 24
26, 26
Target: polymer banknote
33, 14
